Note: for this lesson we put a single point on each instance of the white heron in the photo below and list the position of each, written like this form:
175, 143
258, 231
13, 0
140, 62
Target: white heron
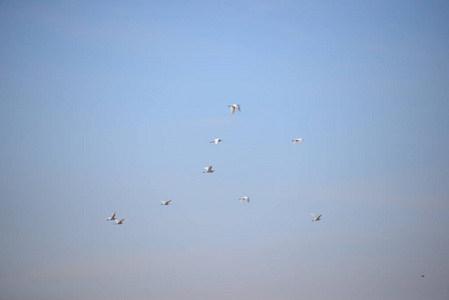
208, 169
243, 199
112, 217
315, 218
166, 202
233, 107
119, 222
295, 141
216, 141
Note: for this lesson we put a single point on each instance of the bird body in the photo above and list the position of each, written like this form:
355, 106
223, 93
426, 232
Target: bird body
233, 107
112, 217
166, 202
315, 218
119, 222
208, 169
243, 199
216, 141
295, 141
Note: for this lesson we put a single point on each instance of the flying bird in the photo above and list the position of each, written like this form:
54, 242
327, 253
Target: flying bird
315, 218
112, 217
216, 141
119, 222
233, 107
243, 199
208, 169
166, 202
295, 141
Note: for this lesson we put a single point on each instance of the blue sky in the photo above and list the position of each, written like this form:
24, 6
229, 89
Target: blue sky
110, 106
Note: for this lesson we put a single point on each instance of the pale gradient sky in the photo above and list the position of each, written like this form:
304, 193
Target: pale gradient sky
111, 105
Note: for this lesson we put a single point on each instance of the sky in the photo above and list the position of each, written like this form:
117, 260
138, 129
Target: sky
111, 106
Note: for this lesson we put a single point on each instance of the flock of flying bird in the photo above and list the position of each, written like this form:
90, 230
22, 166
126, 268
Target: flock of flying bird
208, 169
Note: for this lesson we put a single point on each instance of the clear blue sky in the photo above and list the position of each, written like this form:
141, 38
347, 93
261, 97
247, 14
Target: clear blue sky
111, 105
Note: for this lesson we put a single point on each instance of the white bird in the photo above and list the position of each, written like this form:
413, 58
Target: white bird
208, 169
119, 222
297, 140
166, 202
216, 141
315, 218
243, 199
233, 107
112, 217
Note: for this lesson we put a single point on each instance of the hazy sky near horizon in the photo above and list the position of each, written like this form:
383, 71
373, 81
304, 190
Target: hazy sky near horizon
111, 105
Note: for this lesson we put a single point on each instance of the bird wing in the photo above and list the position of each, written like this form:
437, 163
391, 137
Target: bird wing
295, 141
313, 216
232, 109
113, 215
238, 107
120, 222
168, 201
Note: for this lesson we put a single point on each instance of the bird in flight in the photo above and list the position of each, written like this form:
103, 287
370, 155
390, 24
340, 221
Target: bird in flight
216, 141
243, 199
112, 217
315, 218
208, 169
119, 222
166, 202
295, 141
233, 107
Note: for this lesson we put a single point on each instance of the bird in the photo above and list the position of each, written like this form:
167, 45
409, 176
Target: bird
233, 107
297, 140
315, 218
166, 202
243, 199
112, 217
422, 275
208, 169
216, 141
119, 222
